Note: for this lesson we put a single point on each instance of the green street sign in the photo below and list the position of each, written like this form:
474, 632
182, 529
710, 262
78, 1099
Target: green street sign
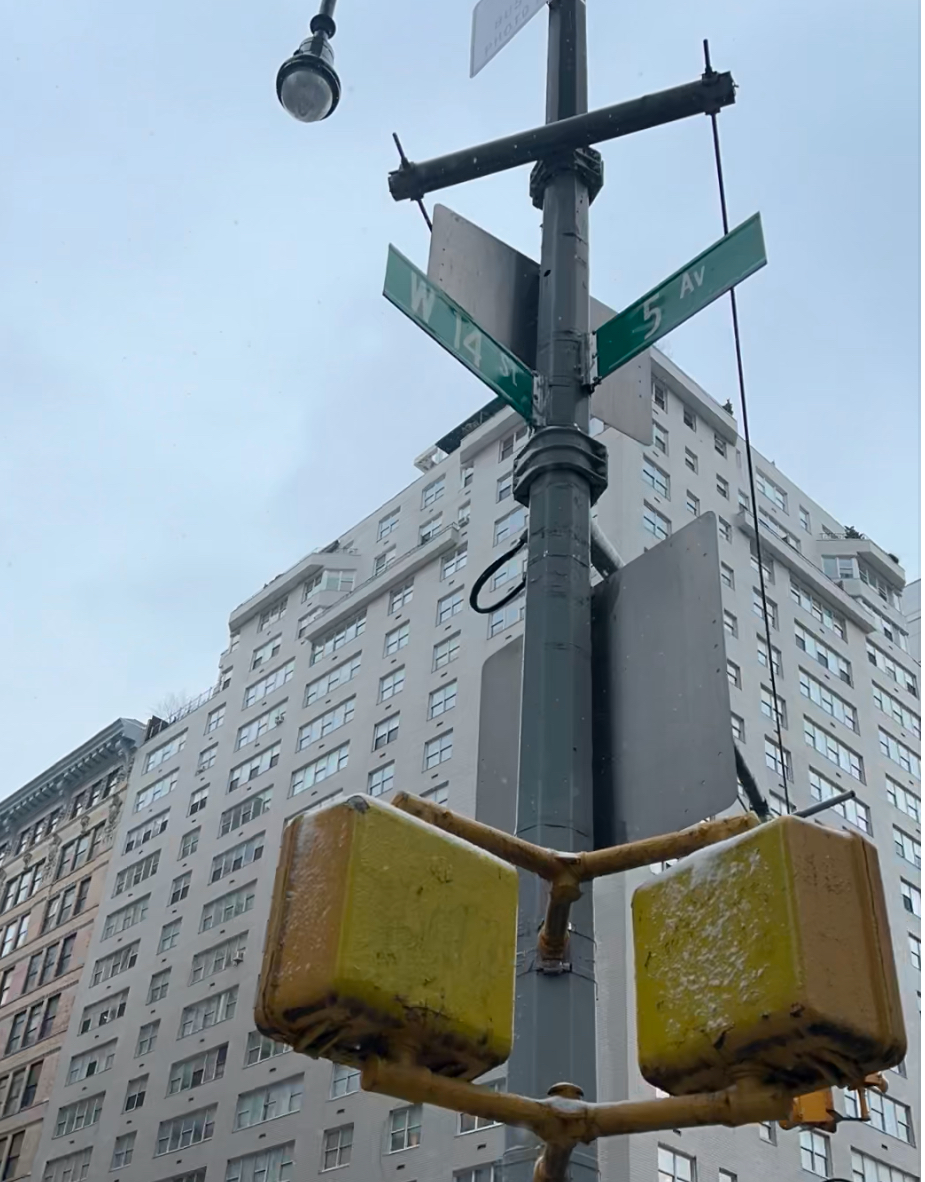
442, 318
721, 266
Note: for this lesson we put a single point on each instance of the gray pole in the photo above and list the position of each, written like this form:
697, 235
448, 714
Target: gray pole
555, 1016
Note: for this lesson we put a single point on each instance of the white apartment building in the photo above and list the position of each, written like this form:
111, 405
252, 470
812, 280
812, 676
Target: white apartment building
358, 671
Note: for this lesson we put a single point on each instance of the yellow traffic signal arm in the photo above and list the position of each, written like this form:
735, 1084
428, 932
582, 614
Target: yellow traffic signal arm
562, 1121
566, 872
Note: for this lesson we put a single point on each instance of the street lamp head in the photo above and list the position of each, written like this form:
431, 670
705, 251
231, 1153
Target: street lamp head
307, 84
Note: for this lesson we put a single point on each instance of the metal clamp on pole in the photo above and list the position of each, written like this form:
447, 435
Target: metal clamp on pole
561, 449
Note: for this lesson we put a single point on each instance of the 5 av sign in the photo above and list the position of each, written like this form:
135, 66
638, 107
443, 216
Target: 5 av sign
682, 295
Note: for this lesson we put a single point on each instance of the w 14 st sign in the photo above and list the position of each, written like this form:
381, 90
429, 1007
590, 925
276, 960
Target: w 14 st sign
494, 23
442, 318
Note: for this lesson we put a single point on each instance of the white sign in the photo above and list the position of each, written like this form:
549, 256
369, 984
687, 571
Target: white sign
494, 23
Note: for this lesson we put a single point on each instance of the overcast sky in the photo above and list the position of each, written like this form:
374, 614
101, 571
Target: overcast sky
201, 381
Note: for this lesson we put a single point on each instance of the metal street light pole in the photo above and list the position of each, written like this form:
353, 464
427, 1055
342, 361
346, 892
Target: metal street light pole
558, 473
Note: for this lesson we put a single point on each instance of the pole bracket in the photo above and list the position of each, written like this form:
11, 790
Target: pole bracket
569, 449
587, 163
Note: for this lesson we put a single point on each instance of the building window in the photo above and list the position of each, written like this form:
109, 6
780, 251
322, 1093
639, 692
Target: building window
179, 888
507, 616
763, 657
778, 714
319, 769
266, 1165
758, 608
344, 1080
659, 396
197, 801
441, 700
384, 560
216, 1008
200, 1069
266, 685
767, 1132
675, 1167
433, 492
730, 623
14, 934
654, 523
212, 961
166, 751
690, 419
337, 1147
660, 438
182, 1131
439, 794
725, 529
170, 934
141, 834
722, 486
381, 780
915, 951
215, 719
135, 1093
92, 1062
900, 754
259, 1048
734, 674
23, 1084
189, 844
512, 523
889, 1116
854, 811
912, 897
404, 1128
266, 652
446, 651
147, 1038
869, 1169
72, 1168
466, 475
450, 605
267, 1103
893, 708
103, 1012
814, 1152
772, 758
833, 705
324, 724
656, 479
385, 732
907, 802
805, 521
504, 486
396, 639
822, 654
430, 529
227, 907
769, 489
509, 442
727, 576
727, 1176
897, 673
400, 596
236, 857
158, 987
138, 872
117, 962
258, 727
719, 444
79, 1115
738, 728
340, 675
690, 460
391, 684
829, 747
388, 524
907, 848
438, 750
69, 902
125, 917
454, 562
340, 635
820, 611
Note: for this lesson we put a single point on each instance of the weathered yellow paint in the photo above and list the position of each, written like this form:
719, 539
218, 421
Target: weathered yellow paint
388, 936
816, 1110
767, 954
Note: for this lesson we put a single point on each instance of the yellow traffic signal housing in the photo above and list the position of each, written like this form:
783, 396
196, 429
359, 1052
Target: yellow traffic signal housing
390, 937
815, 1110
767, 955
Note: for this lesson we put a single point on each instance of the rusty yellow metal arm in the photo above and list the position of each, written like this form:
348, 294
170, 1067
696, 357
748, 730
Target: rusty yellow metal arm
560, 1121
566, 872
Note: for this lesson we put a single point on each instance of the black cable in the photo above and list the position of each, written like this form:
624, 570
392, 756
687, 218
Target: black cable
488, 572
750, 784
748, 451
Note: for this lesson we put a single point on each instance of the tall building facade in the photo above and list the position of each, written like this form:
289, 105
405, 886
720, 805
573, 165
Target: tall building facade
55, 844
359, 670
